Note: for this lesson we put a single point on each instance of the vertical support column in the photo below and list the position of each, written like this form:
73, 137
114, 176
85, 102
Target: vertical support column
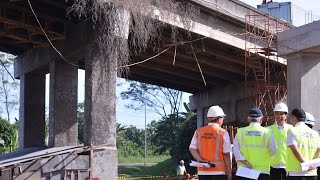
303, 83
63, 129
32, 111
200, 117
100, 113
100, 101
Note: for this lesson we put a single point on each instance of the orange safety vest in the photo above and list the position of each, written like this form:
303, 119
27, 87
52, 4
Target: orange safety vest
210, 147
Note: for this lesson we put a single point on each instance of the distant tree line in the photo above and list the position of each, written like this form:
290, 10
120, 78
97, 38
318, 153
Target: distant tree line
168, 136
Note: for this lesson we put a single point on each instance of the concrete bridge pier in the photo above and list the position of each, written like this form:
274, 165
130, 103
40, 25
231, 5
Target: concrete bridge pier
32, 110
63, 129
301, 47
100, 113
31, 68
230, 98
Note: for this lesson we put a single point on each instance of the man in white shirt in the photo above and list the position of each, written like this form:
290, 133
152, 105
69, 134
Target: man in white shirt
253, 145
303, 145
279, 129
211, 144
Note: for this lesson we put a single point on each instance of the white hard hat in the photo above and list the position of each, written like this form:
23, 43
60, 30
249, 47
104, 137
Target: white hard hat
181, 161
215, 111
309, 119
282, 107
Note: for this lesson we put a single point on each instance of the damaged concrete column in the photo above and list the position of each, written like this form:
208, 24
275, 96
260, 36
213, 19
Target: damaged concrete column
100, 100
63, 129
301, 47
32, 110
100, 114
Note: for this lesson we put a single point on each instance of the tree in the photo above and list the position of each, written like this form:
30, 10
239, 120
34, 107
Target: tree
8, 135
120, 135
8, 85
166, 133
135, 135
180, 150
155, 97
80, 118
130, 141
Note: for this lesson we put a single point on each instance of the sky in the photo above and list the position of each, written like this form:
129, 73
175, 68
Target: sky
137, 118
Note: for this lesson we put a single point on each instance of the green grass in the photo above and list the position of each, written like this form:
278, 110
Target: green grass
151, 159
157, 170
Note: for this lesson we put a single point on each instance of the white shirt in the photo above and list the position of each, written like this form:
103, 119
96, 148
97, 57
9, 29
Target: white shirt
239, 156
291, 141
226, 149
279, 126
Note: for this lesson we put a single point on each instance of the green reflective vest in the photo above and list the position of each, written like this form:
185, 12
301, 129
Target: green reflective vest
253, 144
307, 141
281, 140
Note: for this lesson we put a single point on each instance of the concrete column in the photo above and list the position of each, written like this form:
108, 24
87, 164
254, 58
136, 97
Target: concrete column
303, 83
32, 111
63, 129
100, 113
230, 98
301, 47
200, 117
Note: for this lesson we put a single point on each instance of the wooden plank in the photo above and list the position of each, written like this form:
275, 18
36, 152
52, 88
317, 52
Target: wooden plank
42, 154
6, 174
65, 162
27, 167
28, 176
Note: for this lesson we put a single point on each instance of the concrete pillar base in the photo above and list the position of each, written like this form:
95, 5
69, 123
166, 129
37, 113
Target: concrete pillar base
105, 163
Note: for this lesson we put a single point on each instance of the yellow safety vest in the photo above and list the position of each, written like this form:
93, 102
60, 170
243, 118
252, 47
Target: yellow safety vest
181, 170
253, 143
281, 140
307, 145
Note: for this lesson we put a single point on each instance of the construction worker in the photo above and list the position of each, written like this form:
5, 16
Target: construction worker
211, 144
309, 120
279, 130
304, 145
181, 169
310, 123
253, 146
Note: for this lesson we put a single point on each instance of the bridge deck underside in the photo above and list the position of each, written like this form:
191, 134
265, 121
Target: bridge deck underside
190, 67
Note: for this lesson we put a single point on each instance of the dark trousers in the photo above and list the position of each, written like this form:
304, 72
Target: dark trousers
261, 177
212, 177
278, 173
302, 178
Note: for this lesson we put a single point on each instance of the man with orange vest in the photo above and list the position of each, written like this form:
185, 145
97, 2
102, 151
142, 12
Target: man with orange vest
211, 144
254, 145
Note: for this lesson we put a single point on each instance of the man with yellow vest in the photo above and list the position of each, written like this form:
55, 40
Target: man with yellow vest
254, 145
280, 129
303, 145
211, 144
